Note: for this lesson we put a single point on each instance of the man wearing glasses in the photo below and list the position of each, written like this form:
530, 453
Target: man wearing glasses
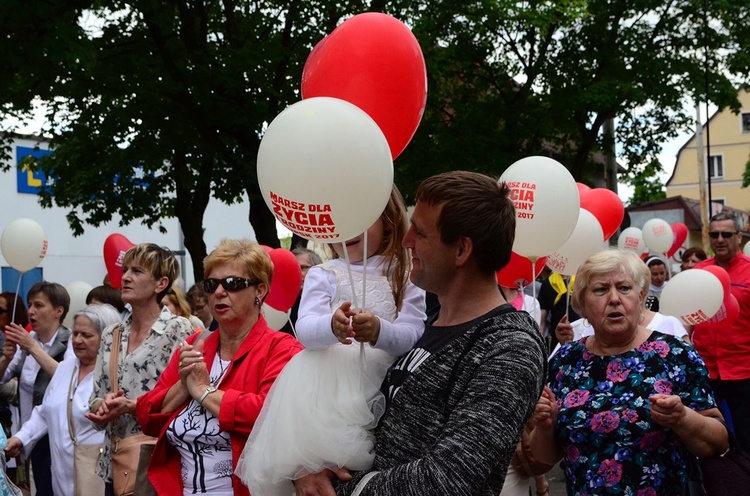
726, 349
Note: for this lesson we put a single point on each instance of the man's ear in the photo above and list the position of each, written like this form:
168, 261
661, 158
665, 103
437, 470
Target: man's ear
464, 249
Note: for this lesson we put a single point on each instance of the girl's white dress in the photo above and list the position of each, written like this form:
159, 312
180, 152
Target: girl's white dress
323, 406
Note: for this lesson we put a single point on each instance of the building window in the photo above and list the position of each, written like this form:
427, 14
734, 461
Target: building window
716, 166
745, 121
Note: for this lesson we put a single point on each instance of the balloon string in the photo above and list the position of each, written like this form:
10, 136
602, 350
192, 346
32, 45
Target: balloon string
362, 357
533, 275
669, 265
567, 295
364, 271
519, 288
351, 277
15, 300
356, 306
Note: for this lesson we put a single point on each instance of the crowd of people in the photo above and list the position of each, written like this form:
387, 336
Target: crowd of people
404, 368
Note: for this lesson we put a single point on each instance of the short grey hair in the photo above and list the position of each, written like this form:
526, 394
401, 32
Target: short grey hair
102, 315
727, 216
608, 262
314, 257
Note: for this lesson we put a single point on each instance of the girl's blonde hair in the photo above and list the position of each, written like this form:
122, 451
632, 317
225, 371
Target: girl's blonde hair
397, 260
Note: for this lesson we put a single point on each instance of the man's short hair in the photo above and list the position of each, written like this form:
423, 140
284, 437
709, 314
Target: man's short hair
475, 206
726, 216
196, 295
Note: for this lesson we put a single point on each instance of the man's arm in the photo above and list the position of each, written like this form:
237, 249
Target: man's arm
474, 441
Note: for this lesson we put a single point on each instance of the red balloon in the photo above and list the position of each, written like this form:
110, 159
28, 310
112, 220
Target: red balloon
115, 247
519, 272
582, 188
286, 280
727, 314
606, 207
373, 61
723, 277
680, 232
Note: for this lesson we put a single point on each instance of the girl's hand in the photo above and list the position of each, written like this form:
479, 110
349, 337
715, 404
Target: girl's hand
545, 413
366, 327
341, 323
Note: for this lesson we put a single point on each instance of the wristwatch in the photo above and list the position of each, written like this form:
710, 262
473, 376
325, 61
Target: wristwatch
209, 390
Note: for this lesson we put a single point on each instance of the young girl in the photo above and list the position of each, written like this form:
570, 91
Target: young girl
321, 409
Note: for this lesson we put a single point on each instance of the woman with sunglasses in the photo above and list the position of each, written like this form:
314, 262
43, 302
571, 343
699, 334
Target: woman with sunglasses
147, 339
209, 397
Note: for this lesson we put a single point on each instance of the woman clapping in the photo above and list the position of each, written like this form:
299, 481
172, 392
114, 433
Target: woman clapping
209, 397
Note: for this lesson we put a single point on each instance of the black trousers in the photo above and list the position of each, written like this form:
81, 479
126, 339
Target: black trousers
41, 465
737, 396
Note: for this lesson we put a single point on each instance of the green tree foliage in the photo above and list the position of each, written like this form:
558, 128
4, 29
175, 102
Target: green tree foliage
512, 79
647, 186
156, 105
161, 104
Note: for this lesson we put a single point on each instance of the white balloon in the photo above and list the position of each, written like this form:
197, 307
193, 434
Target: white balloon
658, 235
276, 319
693, 296
325, 169
746, 249
78, 291
24, 244
587, 239
631, 239
547, 205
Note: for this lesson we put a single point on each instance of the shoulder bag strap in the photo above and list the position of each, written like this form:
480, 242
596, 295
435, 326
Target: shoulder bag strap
71, 427
114, 358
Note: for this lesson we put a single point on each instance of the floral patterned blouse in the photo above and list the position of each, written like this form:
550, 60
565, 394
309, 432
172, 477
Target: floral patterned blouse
138, 371
611, 444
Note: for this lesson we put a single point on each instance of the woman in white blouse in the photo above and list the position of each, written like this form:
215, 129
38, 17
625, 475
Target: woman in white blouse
72, 380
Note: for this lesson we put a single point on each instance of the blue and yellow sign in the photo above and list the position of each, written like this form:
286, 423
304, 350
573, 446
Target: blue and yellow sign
29, 181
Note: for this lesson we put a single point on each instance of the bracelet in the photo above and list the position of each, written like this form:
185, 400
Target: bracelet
209, 390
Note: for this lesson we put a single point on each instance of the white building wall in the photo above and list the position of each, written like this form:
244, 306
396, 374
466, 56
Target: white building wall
80, 258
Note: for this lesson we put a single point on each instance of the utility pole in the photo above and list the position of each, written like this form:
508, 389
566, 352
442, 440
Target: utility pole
701, 178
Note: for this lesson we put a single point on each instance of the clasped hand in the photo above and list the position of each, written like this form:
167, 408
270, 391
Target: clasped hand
361, 325
112, 406
192, 368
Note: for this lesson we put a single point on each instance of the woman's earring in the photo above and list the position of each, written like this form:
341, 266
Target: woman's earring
257, 300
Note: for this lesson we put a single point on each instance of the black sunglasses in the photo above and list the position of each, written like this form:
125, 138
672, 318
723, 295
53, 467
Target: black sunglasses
229, 283
723, 234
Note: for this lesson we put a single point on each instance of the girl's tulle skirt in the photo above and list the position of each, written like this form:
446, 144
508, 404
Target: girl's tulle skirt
319, 413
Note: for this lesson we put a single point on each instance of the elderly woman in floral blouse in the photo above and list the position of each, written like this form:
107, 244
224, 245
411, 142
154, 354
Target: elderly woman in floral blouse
149, 336
623, 405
